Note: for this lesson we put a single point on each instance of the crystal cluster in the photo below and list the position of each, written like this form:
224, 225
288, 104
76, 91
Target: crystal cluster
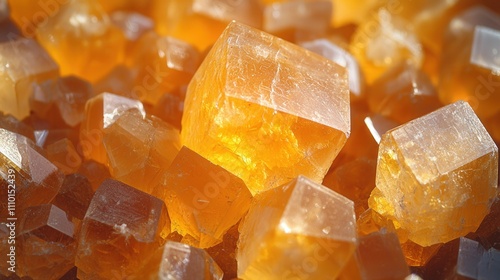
249, 139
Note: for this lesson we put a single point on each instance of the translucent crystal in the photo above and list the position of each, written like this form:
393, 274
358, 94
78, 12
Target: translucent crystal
300, 229
63, 154
74, 196
22, 62
266, 110
204, 200
121, 229
154, 146
437, 175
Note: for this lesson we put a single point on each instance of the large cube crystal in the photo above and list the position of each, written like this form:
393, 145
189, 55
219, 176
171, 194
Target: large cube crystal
204, 200
266, 110
22, 62
155, 145
437, 175
121, 229
300, 230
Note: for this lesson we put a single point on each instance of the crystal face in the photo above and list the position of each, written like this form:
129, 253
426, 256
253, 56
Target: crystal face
279, 232
255, 92
437, 175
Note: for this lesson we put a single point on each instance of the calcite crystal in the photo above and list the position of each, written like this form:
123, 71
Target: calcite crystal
100, 112
181, 261
63, 154
299, 230
82, 27
121, 229
204, 200
266, 110
35, 179
437, 175
48, 227
155, 145
22, 62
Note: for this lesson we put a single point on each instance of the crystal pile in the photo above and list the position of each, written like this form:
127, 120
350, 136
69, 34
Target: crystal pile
249, 139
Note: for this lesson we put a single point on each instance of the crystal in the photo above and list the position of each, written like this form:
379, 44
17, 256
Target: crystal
203, 200
122, 227
72, 95
181, 261
342, 57
36, 179
46, 136
155, 145
164, 63
82, 27
354, 180
469, 256
95, 172
244, 11
417, 255
437, 175
120, 81
8, 30
63, 154
382, 41
4, 10
48, 228
8, 122
472, 73
300, 229
20, 71
403, 93
489, 265
170, 108
379, 256
133, 26
74, 196
100, 112
283, 18
266, 110
224, 253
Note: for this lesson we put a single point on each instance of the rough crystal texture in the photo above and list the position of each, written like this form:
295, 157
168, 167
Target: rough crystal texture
403, 93
181, 261
204, 200
82, 27
22, 62
154, 146
100, 112
122, 228
301, 230
384, 40
437, 175
36, 179
343, 58
255, 93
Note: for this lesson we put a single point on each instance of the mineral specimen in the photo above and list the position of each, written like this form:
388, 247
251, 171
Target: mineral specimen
437, 175
299, 230
266, 110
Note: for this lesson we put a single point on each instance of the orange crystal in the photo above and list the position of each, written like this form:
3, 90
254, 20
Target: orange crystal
437, 175
81, 38
301, 230
155, 145
266, 110
204, 200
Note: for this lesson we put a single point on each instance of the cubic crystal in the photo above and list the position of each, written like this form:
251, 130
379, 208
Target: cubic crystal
300, 230
266, 110
437, 175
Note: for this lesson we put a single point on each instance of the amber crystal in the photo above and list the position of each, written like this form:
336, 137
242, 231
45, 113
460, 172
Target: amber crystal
74, 196
122, 227
300, 230
23, 62
35, 178
83, 28
204, 200
437, 175
63, 154
155, 146
254, 94
48, 227
100, 112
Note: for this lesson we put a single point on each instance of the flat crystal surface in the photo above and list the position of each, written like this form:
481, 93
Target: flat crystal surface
115, 105
296, 84
486, 49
